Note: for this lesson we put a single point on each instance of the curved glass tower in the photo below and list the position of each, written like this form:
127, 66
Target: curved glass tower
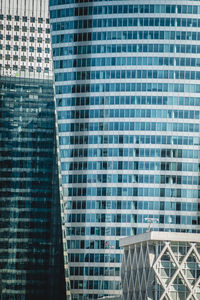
127, 91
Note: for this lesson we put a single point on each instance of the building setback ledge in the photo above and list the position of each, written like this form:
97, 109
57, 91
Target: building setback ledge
159, 236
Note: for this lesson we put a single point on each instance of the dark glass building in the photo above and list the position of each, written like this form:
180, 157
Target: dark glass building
31, 254
127, 83
27, 199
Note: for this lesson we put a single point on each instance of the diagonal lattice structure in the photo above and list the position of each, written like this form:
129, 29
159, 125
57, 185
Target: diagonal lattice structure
161, 266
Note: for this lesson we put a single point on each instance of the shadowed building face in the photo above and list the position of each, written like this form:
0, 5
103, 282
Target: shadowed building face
30, 234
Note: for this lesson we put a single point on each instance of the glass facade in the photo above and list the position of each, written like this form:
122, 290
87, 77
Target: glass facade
127, 97
29, 196
31, 252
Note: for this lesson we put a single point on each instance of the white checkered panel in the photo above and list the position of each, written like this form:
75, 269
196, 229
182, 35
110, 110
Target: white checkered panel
25, 39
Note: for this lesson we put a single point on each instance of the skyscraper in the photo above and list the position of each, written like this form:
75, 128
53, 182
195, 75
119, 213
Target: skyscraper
31, 263
127, 96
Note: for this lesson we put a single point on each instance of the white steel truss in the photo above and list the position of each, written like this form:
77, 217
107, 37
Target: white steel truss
161, 270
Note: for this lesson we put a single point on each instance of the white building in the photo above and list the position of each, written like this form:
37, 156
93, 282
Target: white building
25, 39
161, 266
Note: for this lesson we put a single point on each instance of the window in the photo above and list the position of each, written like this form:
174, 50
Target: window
23, 48
31, 49
30, 69
47, 50
8, 37
39, 49
16, 18
47, 40
39, 40
15, 48
7, 47
40, 20
24, 29
15, 57
16, 28
31, 58
15, 67
39, 69
1, 26
46, 60
9, 18
47, 30
16, 38
23, 38
7, 57
23, 68
39, 59
47, 21
1, 17
32, 19
32, 39
23, 58
8, 27
24, 19
32, 29
39, 30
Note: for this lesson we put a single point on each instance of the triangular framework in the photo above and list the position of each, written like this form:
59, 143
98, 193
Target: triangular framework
187, 289
172, 273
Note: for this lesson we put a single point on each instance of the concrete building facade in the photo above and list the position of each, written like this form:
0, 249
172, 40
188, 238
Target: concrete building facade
161, 266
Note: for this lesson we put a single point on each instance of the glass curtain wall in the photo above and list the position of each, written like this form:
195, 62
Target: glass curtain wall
127, 98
